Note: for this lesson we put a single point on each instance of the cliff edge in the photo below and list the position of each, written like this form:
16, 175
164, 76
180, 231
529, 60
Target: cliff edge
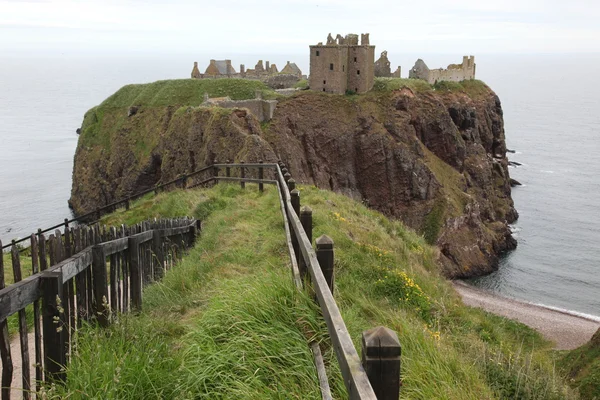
433, 157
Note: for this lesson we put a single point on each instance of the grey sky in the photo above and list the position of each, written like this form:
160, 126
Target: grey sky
288, 26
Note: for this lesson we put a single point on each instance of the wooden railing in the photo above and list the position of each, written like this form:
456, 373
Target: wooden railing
142, 253
377, 374
87, 273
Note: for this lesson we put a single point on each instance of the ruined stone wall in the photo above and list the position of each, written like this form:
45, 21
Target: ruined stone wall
262, 109
454, 72
328, 69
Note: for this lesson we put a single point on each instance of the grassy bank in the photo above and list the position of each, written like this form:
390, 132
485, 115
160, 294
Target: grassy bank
228, 323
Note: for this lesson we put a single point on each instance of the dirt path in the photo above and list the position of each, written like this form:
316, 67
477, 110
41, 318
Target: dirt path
567, 331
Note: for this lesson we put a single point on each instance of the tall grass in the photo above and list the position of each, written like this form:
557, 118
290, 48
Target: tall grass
228, 323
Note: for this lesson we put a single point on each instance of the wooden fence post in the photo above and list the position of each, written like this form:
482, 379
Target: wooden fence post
127, 204
287, 176
242, 175
37, 329
381, 353
216, 169
26, 376
54, 324
135, 275
291, 184
157, 249
7, 364
295, 200
68, 248
101, 307
260, 176
228, 169
306, 221
325, 258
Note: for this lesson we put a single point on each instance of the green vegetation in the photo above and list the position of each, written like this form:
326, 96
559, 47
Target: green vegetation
301, 84
471, 87
583, 368
389, 84
227, 321
103, 124
188, 92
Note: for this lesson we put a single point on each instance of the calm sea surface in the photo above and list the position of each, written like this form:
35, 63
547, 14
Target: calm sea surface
552, 120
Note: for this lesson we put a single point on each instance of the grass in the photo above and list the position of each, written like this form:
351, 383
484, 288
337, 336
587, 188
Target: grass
228, 323
583, 368
473, 87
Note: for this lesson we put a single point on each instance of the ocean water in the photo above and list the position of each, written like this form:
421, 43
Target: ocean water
551, 119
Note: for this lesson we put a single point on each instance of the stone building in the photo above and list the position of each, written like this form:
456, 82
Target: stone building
292, 69
383, 67
342, 65
220, 68
454, 72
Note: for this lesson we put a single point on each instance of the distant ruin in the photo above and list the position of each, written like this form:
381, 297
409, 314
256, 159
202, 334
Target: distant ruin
342, 65
454, 72
383, 67
262, 109
224, 69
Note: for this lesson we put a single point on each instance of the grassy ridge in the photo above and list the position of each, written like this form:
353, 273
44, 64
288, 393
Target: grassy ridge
228, 323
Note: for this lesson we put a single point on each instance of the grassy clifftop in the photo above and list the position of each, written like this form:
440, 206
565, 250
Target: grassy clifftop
228, 323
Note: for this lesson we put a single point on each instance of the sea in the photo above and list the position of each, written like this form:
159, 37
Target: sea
551, 109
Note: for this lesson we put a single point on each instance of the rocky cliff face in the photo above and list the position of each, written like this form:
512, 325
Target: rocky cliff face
436, 160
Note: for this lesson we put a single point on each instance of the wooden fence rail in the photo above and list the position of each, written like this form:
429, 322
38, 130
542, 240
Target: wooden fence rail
86, 273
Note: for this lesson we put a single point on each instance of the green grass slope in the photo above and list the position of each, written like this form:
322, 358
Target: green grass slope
583, 366
227, 321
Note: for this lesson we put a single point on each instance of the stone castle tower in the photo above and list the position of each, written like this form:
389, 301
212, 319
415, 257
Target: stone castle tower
342, 64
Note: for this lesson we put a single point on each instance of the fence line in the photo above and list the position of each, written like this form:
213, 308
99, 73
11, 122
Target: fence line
87, 273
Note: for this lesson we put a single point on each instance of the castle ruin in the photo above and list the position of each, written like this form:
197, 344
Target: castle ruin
454, 72
383, 67
342, 65
224, 69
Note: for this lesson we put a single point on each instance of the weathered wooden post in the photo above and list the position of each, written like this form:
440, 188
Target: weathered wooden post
242, 175
7, 365
287, 176
37, 329
184, 180
260, 176
68, 248
284, 170
156, 190
295, 200
53, 323
157, 249
101, 307
127, 204
381, 353
26, 378
306, 221
291, 184
228, 169
97, 214
215, 168
325, 258
135, 275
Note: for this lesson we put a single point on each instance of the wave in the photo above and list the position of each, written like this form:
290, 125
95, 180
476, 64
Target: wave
591, 317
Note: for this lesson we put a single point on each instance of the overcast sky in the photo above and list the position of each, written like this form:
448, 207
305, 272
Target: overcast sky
288, 26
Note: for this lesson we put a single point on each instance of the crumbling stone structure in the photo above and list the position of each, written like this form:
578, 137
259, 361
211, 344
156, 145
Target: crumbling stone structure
454, 72
383, 67
262, 109
342, 65
224, 69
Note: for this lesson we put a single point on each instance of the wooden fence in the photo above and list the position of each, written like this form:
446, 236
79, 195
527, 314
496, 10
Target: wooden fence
137, 256
375, 375
86, 273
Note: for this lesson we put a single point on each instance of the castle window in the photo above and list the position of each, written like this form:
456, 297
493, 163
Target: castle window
331, 67
343, 68
354, 59
317, 53
358, 72
356, 90
323, 89
324, 82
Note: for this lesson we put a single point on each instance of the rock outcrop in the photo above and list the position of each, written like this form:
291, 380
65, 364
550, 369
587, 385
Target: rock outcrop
437, 161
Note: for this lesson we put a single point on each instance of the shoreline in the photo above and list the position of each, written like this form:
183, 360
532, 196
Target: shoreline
566, 329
